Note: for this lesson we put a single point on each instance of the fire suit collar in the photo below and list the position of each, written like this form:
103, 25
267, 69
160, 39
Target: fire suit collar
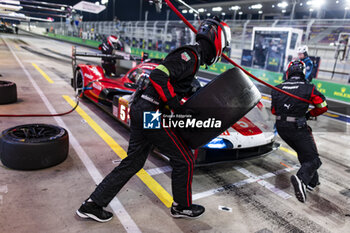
296, 78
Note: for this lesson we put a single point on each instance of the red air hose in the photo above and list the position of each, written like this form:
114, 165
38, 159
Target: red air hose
41, 115
231, 61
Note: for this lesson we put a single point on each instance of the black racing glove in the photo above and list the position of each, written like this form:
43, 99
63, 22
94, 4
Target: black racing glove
309, 117
174, 104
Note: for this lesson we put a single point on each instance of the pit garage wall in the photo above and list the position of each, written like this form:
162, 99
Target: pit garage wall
331, 90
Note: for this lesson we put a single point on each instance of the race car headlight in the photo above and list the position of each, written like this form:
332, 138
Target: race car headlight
219, 143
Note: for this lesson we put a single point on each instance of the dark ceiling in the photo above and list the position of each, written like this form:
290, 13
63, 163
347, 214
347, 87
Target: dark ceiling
135, 9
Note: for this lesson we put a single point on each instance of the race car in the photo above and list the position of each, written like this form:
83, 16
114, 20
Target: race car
252, 136
90, 80
5, 29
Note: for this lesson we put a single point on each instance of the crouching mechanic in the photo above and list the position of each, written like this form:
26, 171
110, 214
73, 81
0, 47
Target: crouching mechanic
169, 83
108, 64
291, 116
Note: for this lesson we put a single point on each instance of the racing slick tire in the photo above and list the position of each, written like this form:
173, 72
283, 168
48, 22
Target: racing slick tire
226, 99
33, 146
78, 82
8, 92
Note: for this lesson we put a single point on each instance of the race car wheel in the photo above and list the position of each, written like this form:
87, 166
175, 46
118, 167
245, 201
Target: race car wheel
33, 146
8, 92
78, 82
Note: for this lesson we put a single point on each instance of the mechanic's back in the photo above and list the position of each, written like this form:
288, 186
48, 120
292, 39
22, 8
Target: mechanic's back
291, 116
284, 105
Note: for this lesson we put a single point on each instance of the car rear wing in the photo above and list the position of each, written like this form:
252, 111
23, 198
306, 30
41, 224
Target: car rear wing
117, 56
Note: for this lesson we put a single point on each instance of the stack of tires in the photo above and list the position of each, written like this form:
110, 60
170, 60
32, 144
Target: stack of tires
31, 146
8, 92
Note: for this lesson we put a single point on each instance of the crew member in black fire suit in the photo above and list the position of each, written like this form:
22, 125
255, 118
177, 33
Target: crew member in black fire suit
108, 64
291, 116
169, 83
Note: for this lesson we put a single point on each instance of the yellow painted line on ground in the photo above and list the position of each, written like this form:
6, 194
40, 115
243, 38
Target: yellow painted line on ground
17, 47
42, 73
288, 151
266, 97
151, 183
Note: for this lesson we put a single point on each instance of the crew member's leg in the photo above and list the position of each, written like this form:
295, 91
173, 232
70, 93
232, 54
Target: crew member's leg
308, 156
138, 151
301, 140
109, 67
314, 182
182, 161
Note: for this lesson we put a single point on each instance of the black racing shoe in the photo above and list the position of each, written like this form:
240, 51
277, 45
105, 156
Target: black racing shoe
93, 211
193, 212
299, 188
311, 187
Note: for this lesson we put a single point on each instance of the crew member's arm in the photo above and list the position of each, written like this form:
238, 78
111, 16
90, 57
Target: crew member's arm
319, 101
173, 67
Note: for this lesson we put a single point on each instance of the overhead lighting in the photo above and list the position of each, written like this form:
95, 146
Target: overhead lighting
201, 10
97, 3
284, 11
260, 12
104, 1
256, 6
195, 15
11, 2
282, 4
191, 11
217, 8
184, 11
240, 13
223, 13
301, 4
315, 3
208, 14
337, 2
234, 8
311, 10
273, 6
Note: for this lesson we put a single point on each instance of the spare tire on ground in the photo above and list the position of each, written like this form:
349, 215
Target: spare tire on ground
33, 146
8, 92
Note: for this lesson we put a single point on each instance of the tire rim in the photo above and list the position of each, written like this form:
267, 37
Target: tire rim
35, 133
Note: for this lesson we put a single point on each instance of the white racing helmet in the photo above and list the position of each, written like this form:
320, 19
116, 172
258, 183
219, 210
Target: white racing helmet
303, 49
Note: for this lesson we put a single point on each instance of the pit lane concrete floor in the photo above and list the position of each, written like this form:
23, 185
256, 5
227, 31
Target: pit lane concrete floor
257, 195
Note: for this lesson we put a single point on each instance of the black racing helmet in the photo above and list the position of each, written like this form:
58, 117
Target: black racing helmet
296, 68
217, 33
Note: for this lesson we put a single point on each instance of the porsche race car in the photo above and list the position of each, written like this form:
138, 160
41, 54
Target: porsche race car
252, 136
